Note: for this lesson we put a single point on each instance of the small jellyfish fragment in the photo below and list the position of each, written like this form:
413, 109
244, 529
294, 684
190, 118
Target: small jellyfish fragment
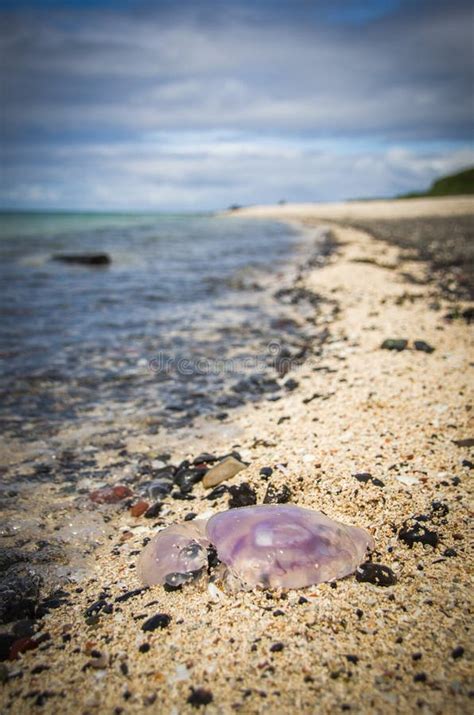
175, 555
270, 546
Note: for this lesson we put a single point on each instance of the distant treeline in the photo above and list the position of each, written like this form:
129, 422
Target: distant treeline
453, 185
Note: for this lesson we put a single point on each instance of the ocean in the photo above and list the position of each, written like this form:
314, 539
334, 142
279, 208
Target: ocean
183, 322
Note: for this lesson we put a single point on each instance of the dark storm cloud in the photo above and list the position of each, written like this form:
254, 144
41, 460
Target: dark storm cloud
181, 98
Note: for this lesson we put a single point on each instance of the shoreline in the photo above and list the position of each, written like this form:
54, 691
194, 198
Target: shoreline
356, 410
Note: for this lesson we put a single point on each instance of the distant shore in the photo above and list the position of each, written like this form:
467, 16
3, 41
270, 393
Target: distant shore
374, 436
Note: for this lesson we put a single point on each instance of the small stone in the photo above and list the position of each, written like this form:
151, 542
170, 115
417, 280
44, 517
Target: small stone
275, 495
217, 492
377, 482
266, 472
291, 384
423, 347
407, 480
394, 344
449, 553
353, 658
467, 442
419, 678
153, 510
24, 628
199, 697
242, 495
22, 645
457, 652
440, 508
190, 516
129, 594
6, 642
417, 534
144, 648
187, 477
277, 647
205, 458
160, 620
378, 574
139, 508
363, 477
161, 487
110, 495
226, 469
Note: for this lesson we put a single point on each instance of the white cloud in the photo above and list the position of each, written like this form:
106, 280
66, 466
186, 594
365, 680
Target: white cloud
172, 110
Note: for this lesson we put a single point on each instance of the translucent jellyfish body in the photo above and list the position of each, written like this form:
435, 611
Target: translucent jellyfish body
282, 546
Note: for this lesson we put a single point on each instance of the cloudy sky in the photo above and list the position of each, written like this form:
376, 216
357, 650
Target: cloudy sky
175, 105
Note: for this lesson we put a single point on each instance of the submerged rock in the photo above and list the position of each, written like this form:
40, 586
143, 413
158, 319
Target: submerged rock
83, 259
268, 546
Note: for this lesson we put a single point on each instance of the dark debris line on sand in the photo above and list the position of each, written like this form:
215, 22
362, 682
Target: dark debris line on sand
445, 243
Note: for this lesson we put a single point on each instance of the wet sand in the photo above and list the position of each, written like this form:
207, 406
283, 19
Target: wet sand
369, 436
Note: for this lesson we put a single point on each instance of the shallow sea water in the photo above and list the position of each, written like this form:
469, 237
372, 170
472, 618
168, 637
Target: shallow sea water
184, 310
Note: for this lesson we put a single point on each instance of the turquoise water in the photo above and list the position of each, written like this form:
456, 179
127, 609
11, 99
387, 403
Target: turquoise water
178, 287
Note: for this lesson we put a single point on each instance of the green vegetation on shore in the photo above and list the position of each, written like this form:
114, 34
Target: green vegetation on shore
458, 184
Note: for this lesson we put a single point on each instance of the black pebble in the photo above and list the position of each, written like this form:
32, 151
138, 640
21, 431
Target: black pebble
144, 648
467, 463
302, 600
130, 594
217, 492
353, 659
186, 478
418, 534
212, 558
190, 516
183, 496
95, 607
160, 620
276, 647
450, 552
363, 477
394, 344
153, 510
457, 652
419, 678
377, 574
242, 495
423, 347
200, 696
440, 508
205, 458
278, 612
266, 472
24, 628
291, 384
275, 495
6, 642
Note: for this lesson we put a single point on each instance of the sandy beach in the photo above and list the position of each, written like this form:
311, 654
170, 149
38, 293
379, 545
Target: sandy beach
378, 438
